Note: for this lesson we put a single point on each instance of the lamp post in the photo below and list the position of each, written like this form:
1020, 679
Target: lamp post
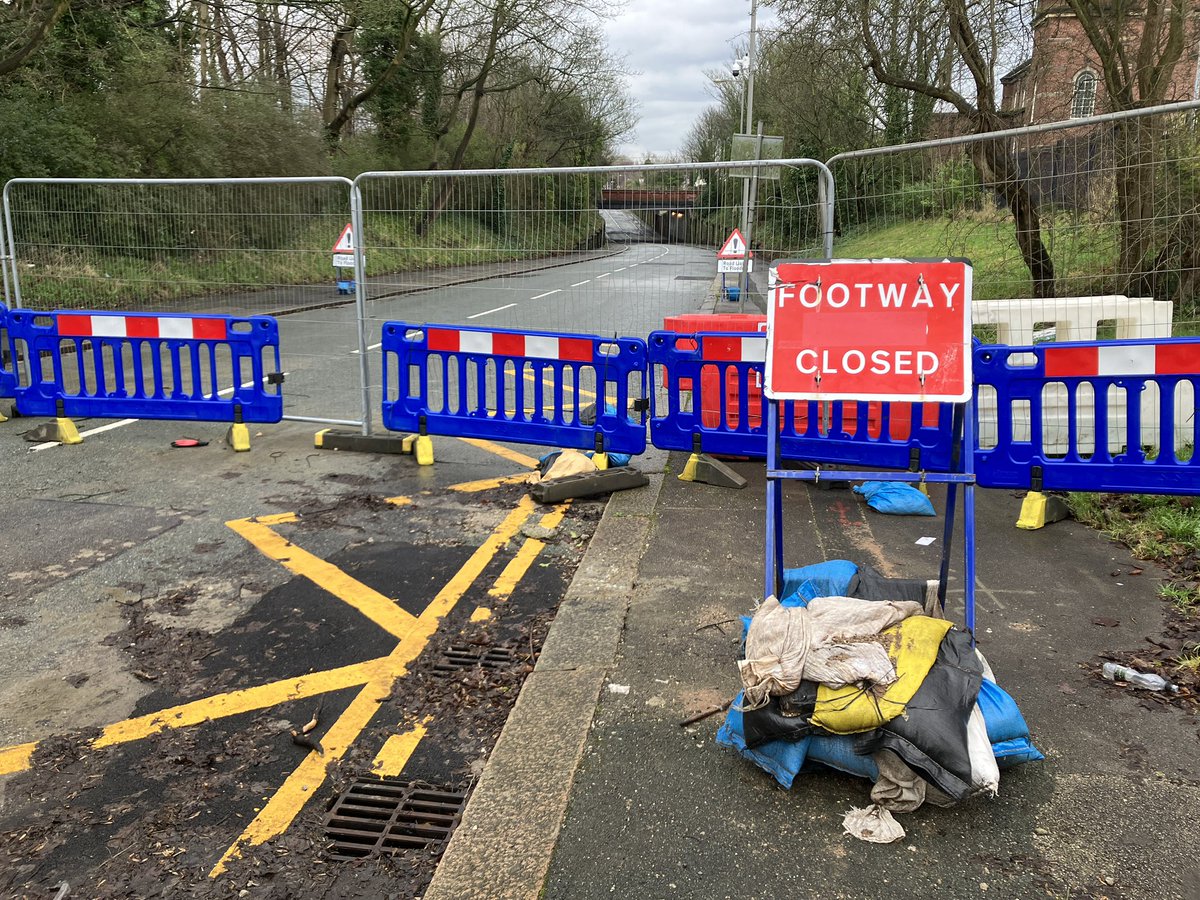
744, 277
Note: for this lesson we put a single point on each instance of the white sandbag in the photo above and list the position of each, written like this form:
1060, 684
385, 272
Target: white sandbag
777, 643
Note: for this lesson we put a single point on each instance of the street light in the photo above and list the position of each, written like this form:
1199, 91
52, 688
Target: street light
749, 60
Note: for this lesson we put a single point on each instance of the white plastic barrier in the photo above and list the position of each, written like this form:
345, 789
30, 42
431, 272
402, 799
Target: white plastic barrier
1025, 322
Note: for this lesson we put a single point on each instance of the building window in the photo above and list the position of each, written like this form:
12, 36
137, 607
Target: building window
1083, 101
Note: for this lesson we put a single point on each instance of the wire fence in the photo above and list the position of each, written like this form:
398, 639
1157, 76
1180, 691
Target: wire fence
1102, 207
611, 251
227, 247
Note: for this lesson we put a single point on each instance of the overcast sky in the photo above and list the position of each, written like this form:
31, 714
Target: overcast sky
668, 44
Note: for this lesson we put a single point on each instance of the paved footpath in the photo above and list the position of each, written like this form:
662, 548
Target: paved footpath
592, 793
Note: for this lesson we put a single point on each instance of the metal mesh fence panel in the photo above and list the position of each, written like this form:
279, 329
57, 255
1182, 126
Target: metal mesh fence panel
228, 247
1101, 207
1081, 230
609, 251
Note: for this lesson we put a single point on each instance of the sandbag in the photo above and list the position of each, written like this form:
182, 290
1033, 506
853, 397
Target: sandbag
896, 498
1006, 728
826, 579
776, 646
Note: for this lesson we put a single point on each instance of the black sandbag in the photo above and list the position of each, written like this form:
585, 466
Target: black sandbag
867, 584
782, 719
932, 734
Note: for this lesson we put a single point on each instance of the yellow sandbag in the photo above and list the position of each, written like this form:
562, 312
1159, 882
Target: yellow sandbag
913, 647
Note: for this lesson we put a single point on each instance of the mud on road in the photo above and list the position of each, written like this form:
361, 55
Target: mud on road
190, 656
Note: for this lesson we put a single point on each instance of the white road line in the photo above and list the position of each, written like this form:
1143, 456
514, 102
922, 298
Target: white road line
121, 423
622, 269
370, 347
547, 294
490, 311
580, 283
605, 275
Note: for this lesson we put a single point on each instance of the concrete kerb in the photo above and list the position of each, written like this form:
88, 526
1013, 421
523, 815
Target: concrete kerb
503, 847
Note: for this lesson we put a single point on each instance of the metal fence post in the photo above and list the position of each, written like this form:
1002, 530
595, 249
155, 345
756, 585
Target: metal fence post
360, 306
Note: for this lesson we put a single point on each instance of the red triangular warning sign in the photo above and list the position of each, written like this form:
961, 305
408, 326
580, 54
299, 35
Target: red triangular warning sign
734, 246
345, 243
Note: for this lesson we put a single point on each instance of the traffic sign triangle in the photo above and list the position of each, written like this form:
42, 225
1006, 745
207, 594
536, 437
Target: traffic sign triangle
345, 243
734, 246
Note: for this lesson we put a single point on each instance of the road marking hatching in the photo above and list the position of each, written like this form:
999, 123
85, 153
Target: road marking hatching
279, 812
376, 676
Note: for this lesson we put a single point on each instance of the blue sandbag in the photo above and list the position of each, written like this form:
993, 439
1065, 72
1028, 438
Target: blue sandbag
896, 498
783, 760
1006, 727
828, 579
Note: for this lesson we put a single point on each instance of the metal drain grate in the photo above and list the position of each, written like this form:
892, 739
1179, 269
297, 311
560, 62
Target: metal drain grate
382, 815
460, 657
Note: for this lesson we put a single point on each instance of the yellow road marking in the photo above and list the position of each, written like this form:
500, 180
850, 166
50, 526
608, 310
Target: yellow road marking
486, 484
396, 750
16, 758
287, 802
399, 501
233, 703
519, 564
511, 455
481, 614
381, 610
220, 706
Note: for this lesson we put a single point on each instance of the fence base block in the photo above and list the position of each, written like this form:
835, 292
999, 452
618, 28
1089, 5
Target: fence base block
588, 484
1039, 510
331, 439
238, 437
703, 468
62, 430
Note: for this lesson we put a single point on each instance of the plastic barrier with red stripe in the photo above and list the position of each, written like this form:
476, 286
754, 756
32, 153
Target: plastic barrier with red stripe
1130, 416
530, 387
110, 365
726, 414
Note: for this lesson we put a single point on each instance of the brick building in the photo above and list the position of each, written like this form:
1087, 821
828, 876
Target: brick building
1062, 79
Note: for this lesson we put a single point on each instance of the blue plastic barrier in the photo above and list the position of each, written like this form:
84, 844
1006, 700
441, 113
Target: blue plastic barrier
727, 411
1122, 414
111, 365
528, 387
8, 377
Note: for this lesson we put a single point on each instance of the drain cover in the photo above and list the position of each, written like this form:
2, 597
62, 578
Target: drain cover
459, 657
382, 815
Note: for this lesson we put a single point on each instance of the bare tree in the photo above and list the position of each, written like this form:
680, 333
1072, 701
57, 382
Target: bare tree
1138, 44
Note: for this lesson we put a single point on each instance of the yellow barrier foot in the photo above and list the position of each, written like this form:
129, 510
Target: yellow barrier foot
600, 460
1039, 510
238, 437
423, 450
62, 431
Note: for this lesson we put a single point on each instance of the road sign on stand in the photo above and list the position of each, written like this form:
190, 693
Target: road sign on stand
862, 329
734, 246
343, 249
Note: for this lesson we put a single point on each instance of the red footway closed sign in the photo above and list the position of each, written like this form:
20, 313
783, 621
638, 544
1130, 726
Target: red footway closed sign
869, 329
